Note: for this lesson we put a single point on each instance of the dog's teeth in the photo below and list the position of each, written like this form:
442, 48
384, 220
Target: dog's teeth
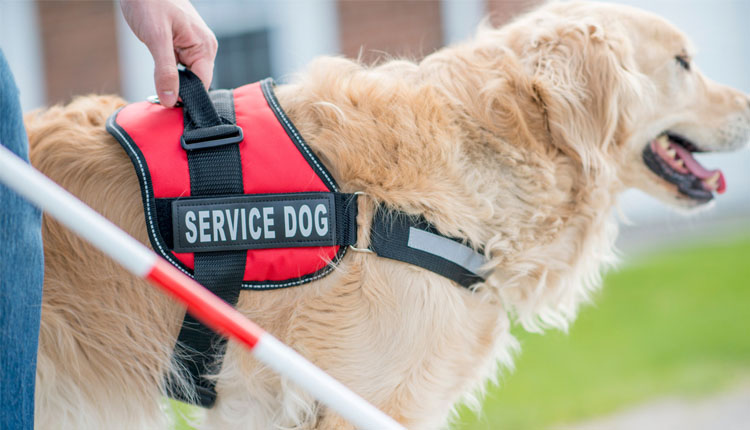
679, 163
672, 153
713, 179
711, 186
663, 141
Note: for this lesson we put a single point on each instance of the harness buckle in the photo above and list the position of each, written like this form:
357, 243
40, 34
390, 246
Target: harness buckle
210, 137
155, 100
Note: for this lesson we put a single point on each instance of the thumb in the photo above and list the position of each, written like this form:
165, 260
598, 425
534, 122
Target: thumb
166, 78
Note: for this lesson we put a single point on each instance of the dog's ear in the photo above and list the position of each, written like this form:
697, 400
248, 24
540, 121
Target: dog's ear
582, 79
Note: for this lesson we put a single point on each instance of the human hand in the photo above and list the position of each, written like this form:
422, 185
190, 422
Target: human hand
173, 32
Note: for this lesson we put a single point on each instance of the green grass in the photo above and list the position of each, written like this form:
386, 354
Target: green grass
673, 323
182, 414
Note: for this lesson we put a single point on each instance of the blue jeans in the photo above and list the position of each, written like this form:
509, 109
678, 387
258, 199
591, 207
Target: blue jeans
21, 274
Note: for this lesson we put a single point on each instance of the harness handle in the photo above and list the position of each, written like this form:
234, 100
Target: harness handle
204, 127
197, 107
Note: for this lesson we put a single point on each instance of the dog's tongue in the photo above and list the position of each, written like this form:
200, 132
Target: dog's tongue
696, 169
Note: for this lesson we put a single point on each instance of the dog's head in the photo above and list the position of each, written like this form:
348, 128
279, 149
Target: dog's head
605, 97
620, 89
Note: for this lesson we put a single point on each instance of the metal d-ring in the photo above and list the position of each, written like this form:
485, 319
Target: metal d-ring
352, 247
364, 250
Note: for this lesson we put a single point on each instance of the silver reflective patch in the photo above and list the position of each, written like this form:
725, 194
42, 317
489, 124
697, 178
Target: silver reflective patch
448, 249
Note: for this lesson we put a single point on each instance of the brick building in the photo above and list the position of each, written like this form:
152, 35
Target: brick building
59, 49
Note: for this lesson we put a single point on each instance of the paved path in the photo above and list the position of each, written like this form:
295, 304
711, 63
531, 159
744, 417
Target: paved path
727, 411
664, 235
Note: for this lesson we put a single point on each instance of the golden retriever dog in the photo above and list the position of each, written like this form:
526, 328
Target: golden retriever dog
517, 141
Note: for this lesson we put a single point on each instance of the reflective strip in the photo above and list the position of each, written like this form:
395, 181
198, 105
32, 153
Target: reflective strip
447, 249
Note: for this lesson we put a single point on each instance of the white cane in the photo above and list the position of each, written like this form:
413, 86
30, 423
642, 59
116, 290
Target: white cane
201, 303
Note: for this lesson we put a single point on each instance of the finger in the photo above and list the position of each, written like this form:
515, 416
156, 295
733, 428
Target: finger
166, 78
204, 69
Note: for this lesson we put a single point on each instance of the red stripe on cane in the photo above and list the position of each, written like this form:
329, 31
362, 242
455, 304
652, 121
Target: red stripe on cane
204, 305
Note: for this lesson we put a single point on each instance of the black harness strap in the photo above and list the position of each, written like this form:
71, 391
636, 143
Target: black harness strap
399, 236
211, 141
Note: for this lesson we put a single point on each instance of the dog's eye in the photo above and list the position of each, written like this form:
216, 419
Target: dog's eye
683, 61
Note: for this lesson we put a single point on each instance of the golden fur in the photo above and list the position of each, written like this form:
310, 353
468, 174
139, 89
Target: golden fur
518, 140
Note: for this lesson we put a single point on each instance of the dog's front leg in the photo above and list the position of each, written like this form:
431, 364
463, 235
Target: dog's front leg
407, 340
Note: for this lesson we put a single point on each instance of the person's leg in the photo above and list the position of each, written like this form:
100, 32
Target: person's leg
21, 274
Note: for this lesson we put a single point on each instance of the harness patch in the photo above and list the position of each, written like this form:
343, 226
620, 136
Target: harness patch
253, 222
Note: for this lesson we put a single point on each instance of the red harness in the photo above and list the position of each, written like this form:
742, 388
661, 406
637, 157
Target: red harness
274, 157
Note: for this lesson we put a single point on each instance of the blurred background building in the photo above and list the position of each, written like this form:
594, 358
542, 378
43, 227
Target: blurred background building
59, 49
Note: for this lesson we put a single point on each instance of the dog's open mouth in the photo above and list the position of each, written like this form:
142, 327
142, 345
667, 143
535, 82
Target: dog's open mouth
671, 157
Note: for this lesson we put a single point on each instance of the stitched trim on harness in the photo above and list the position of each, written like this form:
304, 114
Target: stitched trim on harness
113, 127
266, 87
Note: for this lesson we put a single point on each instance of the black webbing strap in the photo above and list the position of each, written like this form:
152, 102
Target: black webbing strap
210, 139
413, 240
